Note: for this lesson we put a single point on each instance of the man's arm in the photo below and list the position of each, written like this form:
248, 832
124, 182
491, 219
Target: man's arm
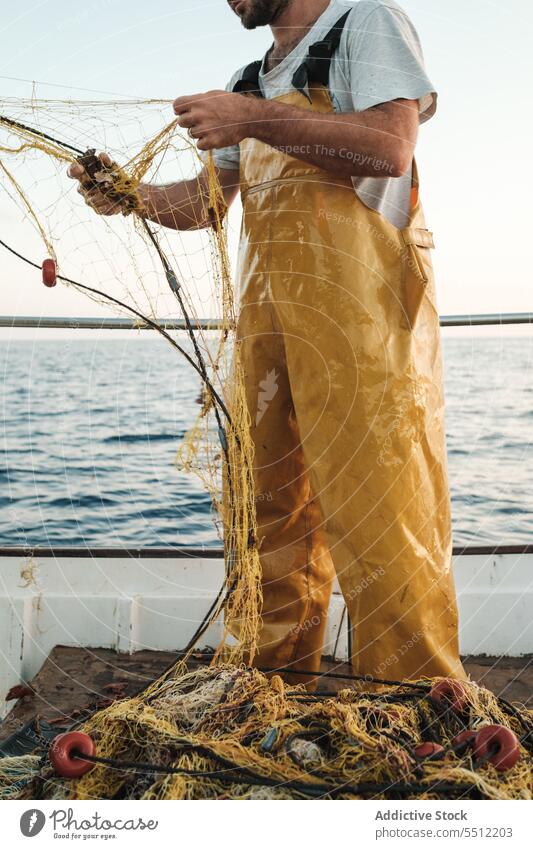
377, 142
183, 205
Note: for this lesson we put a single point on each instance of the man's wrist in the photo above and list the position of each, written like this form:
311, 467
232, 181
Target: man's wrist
144, 192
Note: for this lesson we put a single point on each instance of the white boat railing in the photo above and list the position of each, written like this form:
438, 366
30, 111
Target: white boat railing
105, 599
82, 323
212, 553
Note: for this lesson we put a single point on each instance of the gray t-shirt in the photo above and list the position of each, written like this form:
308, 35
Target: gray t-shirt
379, 59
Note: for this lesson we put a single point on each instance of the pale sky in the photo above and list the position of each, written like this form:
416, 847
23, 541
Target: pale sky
474, 156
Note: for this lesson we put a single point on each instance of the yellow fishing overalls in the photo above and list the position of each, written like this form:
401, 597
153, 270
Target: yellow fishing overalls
340, 344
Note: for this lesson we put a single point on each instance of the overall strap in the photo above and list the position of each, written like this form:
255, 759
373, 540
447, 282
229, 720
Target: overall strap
314, 68
249, 80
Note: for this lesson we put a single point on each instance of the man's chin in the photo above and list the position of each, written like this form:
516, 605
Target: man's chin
245, 20
261, 13
248, 21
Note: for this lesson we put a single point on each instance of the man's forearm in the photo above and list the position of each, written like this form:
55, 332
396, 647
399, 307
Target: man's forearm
180, 206
186, 205
378, 142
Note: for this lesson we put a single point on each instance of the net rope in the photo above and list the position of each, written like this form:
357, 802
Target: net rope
136, 267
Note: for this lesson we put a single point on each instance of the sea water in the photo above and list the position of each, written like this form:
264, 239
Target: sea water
91, 427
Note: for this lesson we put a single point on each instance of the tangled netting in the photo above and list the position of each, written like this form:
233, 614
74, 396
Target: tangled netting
231, 732
224, 730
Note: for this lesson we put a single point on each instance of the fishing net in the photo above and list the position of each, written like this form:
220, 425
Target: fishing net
231, 732
225, 730
143, 271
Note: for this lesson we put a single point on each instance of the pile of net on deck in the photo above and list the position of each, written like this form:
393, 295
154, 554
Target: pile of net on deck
231, 732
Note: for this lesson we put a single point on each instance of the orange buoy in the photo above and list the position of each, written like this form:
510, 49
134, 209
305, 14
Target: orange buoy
49, 273
425, 750
450, 693
65, 751
462, 741
500, 744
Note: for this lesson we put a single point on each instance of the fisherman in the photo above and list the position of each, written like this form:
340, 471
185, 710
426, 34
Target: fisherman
338, 328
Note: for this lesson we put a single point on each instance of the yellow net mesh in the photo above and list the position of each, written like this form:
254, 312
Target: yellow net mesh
124, 265
226, 730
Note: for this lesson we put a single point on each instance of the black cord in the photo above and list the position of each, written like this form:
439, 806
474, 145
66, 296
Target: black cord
202, 373
133, 311
341, 623
206, 621
88, 160
17, 125
368, 679
244, 776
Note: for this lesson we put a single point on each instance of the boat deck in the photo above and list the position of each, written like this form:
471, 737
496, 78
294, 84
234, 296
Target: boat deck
73, 680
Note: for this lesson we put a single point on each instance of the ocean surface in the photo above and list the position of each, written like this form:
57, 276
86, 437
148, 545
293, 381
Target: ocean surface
90, 430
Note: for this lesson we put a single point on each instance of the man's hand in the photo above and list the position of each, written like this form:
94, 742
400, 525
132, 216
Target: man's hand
93, 197
217, 118
376, 142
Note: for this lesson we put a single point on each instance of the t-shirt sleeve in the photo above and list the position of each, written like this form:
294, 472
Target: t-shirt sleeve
226, 157
385, 60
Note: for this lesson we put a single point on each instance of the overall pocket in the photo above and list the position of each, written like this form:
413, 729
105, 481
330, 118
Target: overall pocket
417, 273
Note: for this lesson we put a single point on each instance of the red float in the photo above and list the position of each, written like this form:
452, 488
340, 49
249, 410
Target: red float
64, 750
425, 750
461, 742
49, 273
500, 744
450, 693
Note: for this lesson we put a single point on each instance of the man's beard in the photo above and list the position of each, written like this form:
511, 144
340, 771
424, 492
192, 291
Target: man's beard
263, 12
